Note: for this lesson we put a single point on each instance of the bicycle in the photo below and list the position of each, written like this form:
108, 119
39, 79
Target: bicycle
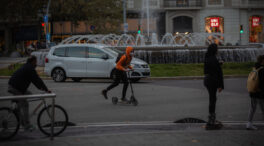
10, 119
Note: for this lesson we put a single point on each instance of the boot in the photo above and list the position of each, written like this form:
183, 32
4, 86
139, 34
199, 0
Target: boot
250, 126
211, 120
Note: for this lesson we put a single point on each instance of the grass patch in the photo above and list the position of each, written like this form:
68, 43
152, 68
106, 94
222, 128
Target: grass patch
171, 70
10, 69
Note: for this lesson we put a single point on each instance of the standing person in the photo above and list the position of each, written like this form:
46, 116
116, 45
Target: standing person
257, 97
122, 66
19, 83
213, 80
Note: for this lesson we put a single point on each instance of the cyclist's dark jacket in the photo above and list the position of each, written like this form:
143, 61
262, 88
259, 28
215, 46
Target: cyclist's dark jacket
260, 93
22, 78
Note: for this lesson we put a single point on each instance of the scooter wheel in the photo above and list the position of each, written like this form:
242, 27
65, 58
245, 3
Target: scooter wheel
114, 100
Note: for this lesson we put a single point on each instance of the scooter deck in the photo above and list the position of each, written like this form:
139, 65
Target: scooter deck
129, 102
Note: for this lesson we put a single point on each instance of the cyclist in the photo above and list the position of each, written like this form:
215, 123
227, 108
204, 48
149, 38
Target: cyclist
19, 83
122, 66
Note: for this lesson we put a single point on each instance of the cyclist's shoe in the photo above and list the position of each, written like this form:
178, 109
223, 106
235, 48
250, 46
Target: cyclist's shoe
30, 127
250, 126
104, 92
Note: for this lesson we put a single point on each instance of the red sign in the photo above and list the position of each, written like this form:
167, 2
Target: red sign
214, 22
255, 21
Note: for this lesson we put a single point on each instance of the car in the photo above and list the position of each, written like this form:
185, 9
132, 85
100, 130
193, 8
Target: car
78, 61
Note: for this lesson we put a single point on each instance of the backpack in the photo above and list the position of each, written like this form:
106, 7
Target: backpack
119, 57
253, 80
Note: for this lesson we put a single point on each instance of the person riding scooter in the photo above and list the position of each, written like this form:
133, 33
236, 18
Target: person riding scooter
122, 66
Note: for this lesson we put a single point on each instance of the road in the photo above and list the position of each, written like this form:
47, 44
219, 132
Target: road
159, 100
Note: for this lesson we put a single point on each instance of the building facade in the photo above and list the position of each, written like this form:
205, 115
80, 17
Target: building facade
202, 16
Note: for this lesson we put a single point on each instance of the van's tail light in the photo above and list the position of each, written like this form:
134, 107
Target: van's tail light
46, 60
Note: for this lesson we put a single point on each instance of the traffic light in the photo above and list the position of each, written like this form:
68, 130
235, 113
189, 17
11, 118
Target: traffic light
241, 29
138, 30
43, 27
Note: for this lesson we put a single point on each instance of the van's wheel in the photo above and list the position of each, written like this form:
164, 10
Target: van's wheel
58, 75
76, 79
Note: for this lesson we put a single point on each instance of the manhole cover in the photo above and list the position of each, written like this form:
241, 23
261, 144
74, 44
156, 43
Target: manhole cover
190, 120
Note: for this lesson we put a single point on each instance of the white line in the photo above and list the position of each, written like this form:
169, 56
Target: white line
152, 123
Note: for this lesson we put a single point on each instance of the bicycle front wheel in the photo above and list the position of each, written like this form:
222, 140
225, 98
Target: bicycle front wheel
9, 123
60, 120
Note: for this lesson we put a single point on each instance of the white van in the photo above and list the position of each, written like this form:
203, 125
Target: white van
78, 61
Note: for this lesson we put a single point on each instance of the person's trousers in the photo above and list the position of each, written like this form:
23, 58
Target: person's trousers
253, 106
22, 105
119, 75
212, 99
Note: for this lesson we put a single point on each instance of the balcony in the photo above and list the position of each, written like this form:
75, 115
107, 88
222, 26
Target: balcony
248, 3
182, 4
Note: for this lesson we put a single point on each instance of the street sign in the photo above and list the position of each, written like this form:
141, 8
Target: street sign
48, 36
214, 22
255, 21
46, 18
92, 27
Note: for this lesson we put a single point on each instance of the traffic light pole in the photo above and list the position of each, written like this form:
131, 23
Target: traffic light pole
47, 24
240, 39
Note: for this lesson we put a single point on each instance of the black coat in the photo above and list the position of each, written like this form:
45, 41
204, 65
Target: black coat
259, 94
22, 78
213, 72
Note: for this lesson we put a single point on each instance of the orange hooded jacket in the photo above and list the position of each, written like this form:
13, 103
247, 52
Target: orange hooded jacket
125, 60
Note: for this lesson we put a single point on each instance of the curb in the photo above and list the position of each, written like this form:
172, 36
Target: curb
162, 78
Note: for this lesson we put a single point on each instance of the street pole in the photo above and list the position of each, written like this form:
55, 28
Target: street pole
124, 15
47, 24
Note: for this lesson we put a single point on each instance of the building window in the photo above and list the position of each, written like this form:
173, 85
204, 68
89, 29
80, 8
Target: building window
215, 2
182, 3
256, 29
214, 24
152, 3
130, 4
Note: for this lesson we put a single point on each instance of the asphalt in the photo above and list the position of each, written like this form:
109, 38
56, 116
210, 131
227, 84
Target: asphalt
145, 133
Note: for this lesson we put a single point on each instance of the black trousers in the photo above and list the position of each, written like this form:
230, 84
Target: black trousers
212, 98
119, 75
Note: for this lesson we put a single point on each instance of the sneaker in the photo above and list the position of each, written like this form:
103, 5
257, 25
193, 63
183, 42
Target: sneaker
250, 126
124, 100
30, 128
104, 92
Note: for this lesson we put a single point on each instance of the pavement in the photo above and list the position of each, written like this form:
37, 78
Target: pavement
97, 122
147, 134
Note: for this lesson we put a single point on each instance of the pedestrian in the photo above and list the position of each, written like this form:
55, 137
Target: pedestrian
121, 69
257, 97
213, 81
18, 85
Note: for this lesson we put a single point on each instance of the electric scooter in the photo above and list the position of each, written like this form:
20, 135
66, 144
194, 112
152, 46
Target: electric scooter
132, 99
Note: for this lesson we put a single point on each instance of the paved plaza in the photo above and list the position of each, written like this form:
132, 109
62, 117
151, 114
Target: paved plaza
161, 102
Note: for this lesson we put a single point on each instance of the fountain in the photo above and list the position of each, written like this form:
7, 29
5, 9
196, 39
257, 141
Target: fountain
171, 48
179, 39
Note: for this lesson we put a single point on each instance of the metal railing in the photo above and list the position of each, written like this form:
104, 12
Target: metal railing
182, 3
248, 3
35, 96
